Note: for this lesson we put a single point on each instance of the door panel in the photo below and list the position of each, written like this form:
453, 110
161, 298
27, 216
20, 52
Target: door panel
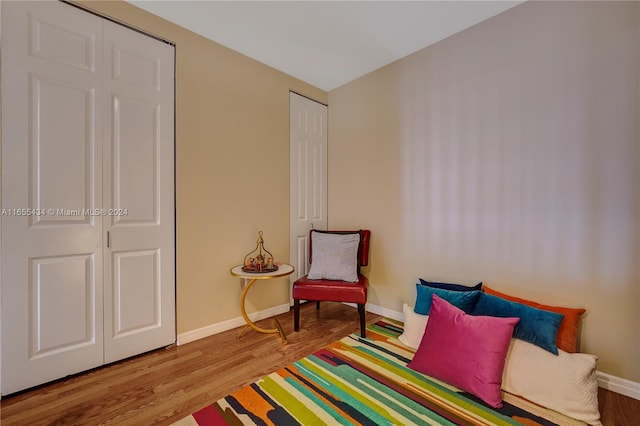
62, 135
51, 160
60, 324
308, 144
134, 67
140, 259
80, 48
136, 146
137, 292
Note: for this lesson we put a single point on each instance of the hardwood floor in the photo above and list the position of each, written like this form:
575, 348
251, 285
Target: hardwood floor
618, 410
165, 385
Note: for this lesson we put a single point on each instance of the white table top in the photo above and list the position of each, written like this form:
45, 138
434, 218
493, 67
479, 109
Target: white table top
283, 270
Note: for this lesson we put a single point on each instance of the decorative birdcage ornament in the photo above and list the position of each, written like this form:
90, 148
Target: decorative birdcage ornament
259, 260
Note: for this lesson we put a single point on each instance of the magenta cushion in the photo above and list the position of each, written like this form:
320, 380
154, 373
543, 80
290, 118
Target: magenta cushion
465, 351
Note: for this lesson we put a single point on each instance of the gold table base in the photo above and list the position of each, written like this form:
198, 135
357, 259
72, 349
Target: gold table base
283, 270
250, 324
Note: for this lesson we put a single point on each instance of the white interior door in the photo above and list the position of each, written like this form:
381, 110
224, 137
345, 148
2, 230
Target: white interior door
140, 256
308, 171
88, 250
51, 170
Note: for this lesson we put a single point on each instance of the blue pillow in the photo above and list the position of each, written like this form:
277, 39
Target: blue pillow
536, 326
454, 287
465, 300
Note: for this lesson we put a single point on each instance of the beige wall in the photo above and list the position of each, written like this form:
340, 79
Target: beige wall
508, 153
232, 168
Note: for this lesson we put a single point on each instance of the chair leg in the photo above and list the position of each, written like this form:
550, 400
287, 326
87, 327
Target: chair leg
363, 322
296, 314
318, 305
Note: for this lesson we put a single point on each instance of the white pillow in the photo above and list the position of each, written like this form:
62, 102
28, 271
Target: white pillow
565, 382
414, 326
334, 256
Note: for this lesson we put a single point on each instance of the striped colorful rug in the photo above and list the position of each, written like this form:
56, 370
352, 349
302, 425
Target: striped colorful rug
362, 382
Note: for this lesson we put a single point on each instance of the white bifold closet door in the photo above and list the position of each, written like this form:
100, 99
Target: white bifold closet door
308, 174
88, 228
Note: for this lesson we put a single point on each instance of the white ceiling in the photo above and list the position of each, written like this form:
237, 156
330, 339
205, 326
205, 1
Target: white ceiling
326, 43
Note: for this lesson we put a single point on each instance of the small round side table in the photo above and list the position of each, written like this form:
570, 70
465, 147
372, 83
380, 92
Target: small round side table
284, 269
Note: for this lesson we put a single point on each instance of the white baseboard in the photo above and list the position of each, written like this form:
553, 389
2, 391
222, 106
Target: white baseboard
210, 330
619, 385
379, 310
385, 312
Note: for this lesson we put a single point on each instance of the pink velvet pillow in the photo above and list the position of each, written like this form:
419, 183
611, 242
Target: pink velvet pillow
465, 351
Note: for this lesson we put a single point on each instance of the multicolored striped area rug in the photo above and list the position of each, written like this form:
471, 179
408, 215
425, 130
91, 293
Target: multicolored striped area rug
362, 382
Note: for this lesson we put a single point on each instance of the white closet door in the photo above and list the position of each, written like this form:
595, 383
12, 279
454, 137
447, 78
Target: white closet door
88, 251
51, 171
308, 171
140, 259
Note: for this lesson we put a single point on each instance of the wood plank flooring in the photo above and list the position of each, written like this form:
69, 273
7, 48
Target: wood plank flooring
165, 385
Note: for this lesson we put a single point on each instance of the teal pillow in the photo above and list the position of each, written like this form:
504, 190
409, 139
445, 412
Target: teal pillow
465, 300
536, 326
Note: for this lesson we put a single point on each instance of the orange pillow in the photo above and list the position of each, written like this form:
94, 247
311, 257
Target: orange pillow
567, 339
